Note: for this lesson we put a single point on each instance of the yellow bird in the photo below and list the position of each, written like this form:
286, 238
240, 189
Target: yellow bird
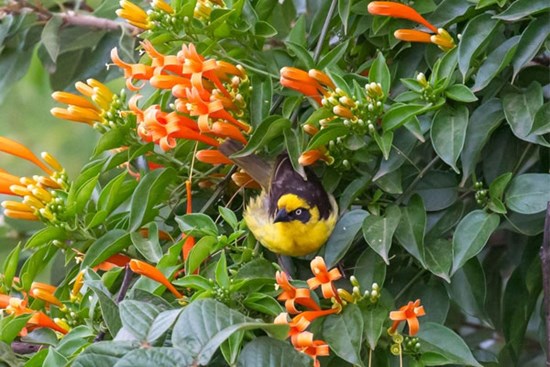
293, 216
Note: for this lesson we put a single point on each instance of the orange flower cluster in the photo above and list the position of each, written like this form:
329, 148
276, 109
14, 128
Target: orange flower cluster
96, 105
203, 8
39, 193
138, 17
408, 313
209, 102
356, 112
441, 38
301, 339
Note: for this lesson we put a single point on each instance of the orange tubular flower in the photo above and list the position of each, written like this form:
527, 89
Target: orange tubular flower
243, 179
132, 71
19, 150
411, 35
40, 319
324, 278
304, 343
227, 130
115, 261
409, 313
135, 15
212, 157
46, 296
142, 268
309, 157
6, 181
162, 5
300, 81
397, 10
294, 296
77, 286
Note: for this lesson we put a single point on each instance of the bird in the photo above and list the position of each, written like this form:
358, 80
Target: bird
293, 215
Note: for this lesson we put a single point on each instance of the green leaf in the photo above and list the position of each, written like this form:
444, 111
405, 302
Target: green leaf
343, 235
9, 358
158, 357
270, 128
438, 257
197, 224
44, 236
297, 34
403, 144
202, 249
460, 93
499, 184
54, 358
109, 309
440, 345
370, 269
302, 54
113, 138
344, 334
410, 231
374, 317
333, 56
268, 352
449, 132
50, 36
399, 114
378, 231
152, 188
263, 303
260, 100
10, 326
324, 136
352, 191
115, 192
444, 68
222, 278
384, 142
9, 268
541, 125
523, 8
495, 62
380, 73
438, 190
137, 317
520, 110
229, 217
148, 246
162, 323
264, 29
476, 35
484, 120
35, 263
471, 235
344, 8
197, 282
529, 193
109, 244
468, 289
104, 353
531, 41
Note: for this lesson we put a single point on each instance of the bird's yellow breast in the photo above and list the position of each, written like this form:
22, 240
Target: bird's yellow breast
293, 238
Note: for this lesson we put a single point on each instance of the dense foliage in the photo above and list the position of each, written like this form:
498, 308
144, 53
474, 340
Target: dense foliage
432, 133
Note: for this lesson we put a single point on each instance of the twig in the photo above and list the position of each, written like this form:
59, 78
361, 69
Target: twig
324, 31
121, 294
545, 260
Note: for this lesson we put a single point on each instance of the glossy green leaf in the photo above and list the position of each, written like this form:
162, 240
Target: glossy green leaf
34, 265
499, 184
222, 278
410, 231
344, 9
109, 309
115, 192
438, 257
461, 93
158, 357
528, 193
152, 188
149, 245
229, 217
302, 54
269, 352
403, 144
270, 128
471, 235
384, 142
44, 236
109, 244
352, 191
441, 345
104, 353
263, 303
399, 114
324, 136
438, 189
374, 317
520, 109
380, 73
378, 231
484, 120
370, 269
344, 334
162, 323
332, 57
495, 62
521, 8
260, 102
199, 253
50, 36
9, 267
531, 41
264, 29
439, 223
343, 235
137, 317
448, 133
476, 35
541, 125
197, 224
10, 327
468, 289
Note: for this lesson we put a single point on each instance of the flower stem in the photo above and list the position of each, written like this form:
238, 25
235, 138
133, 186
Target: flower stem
324, 31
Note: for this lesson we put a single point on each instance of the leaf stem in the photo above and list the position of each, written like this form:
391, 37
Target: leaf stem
324, 31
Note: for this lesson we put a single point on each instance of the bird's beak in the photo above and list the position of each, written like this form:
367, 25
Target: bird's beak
282, 216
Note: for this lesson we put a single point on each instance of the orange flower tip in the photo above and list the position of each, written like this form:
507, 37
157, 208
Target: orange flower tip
411, 35
398, 10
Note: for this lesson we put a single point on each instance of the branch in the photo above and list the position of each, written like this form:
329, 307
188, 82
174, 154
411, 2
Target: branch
89, 21
545, 260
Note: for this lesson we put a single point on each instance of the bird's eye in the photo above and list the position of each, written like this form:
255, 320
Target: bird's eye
298, 212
